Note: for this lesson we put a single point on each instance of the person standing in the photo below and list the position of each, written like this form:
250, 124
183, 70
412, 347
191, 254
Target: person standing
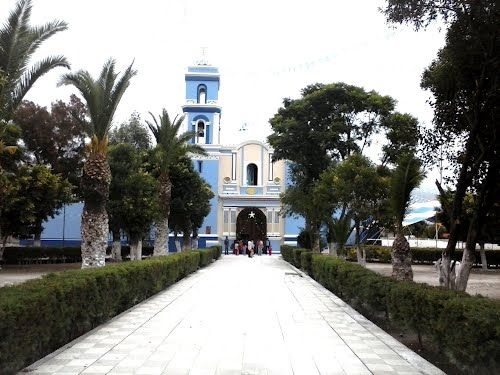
260, 246
226, 246
267, 245
250, 248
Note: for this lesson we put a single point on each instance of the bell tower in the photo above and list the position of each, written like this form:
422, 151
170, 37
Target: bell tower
201, 109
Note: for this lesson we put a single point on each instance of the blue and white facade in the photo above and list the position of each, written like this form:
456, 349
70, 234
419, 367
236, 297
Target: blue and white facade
245, 180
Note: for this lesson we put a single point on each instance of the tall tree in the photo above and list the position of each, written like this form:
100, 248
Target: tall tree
123, 162
131, 132
18, 43
102, 96
170, 147
328, 123
55, 138
464, 81
403, 136
406, 177
358, 189
191, 196
140, 209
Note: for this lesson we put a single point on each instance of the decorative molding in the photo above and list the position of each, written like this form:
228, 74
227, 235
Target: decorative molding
203, 157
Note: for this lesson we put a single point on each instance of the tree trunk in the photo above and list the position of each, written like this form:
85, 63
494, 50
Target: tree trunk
194, 243
116, 249
95, 182
332, 249
178, 246
314, 233
484, 263
136, 248
360, 253
186, 239
37, 242
94, 232
401, 259
2, 247
161, 240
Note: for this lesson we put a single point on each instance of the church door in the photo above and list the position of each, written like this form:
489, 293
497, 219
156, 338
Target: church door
251, 224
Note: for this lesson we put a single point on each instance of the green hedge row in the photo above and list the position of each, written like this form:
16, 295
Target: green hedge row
465, 328
420, 255
41, 315
22, 255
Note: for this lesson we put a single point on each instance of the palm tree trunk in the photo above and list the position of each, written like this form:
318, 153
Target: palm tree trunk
161, 240
94, 228
401, 258
94, 232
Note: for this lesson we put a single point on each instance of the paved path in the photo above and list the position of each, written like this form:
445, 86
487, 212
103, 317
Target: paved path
238, 316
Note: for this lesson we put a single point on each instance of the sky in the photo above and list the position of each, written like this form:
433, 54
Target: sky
265, 51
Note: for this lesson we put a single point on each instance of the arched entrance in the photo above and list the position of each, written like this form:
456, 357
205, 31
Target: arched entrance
251, 224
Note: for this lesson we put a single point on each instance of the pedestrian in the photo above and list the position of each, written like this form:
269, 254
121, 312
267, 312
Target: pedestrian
260, 246
226, 246
236, 248
250, 248
268, 245
270, 250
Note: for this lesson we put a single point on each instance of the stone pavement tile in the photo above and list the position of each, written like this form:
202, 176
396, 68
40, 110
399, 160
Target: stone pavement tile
97, 370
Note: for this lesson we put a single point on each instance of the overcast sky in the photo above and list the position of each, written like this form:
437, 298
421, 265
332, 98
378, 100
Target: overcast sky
266, 50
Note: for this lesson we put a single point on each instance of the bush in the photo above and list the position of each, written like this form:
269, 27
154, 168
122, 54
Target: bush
41, 315
382, 254
466, 328
287, 253
305, 261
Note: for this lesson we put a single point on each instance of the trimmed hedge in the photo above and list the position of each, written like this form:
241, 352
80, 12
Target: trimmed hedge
41, 315
465, 328
420, 255
28, 255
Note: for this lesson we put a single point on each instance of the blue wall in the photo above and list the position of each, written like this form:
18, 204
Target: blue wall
210, 172
68, 218
192, 88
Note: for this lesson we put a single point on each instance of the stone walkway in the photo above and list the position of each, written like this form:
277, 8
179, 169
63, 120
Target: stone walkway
238, 316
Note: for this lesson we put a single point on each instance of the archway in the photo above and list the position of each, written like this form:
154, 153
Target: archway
251, 224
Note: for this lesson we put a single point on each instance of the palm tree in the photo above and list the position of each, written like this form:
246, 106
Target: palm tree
170, 147
407, 176
102, 97
18, 42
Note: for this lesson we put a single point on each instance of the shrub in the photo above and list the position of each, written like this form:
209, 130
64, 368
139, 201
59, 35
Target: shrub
305, 261
41, 315
286, 253
382, 254
466, 328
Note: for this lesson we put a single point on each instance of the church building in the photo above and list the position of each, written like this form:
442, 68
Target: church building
245, 180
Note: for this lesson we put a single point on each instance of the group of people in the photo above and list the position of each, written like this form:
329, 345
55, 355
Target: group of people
248, 247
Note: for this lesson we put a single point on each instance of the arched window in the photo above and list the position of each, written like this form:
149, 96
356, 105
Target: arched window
252, 174
202, 94
200, 129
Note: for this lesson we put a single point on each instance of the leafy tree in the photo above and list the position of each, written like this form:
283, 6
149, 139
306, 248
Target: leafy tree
102, 96
123, 162
357, 188
190, 201
131, 132
328, 123
55, 138
34, 195
403, 136
18, 43
140, 207
464, 81
170, 148
407, 176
